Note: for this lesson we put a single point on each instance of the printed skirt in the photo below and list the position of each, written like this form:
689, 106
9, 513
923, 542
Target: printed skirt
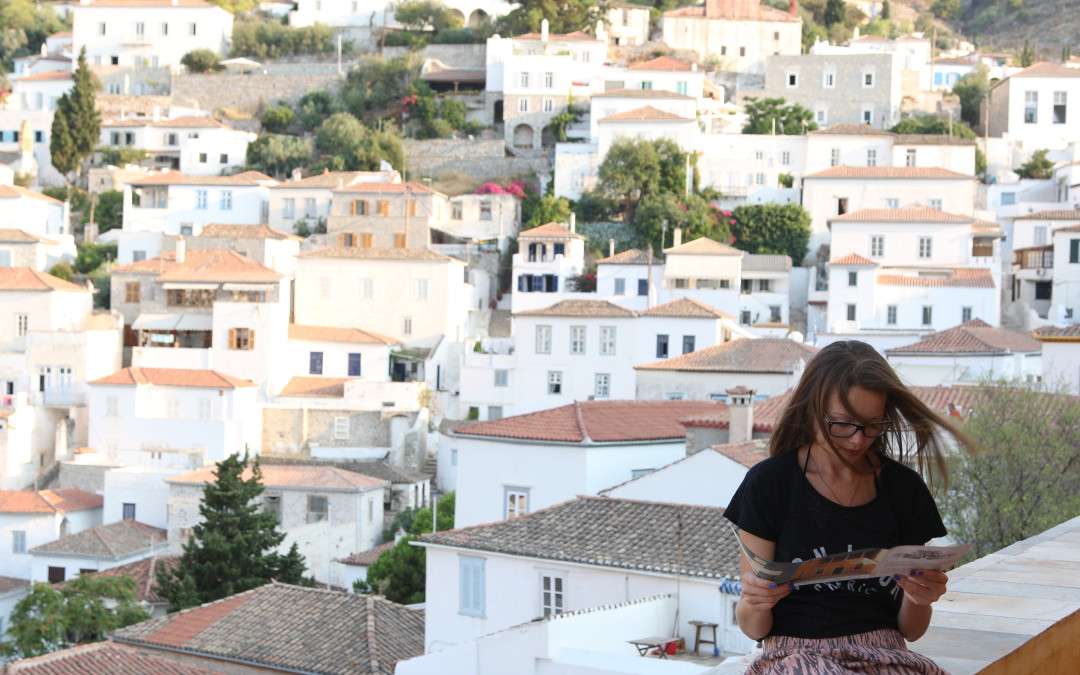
878, 652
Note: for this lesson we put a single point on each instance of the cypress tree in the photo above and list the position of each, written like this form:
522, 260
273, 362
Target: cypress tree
76, 124
61, 146
232, 549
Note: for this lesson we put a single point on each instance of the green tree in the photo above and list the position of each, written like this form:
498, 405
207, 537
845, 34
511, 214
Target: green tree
946, 9
263, 38
550, 209
936, 126
453, 111
85, 609
564, 16
119, 155
109, 211
233, 548
629, 172
202, 61
1038, 166
341, 134
236, 6
379, 146
835, 12
24, 25
972, 89
665, 211
278, 155
1026, 479
399, 573
277, 119
886, 10
76, 124
1027, 54
425, 15
62, 270
776, 116
88, 259
782, 229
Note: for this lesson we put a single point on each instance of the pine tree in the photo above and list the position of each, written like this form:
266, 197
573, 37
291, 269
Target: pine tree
835, 12
1027, 54
76, 124
886, 10
232, 549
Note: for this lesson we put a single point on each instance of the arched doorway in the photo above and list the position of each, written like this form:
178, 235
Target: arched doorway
478, 18
498, 115
523, 136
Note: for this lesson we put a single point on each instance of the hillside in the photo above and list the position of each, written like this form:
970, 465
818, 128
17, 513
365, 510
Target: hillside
1005, 24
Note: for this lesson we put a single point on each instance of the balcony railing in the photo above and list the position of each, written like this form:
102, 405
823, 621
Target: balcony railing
1040, 258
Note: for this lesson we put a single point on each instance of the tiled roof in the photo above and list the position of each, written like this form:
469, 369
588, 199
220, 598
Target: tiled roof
291, 476
971, 337
632, 256
368, 557
748, 454
331, 179
1044, 69
49, 76
766, 415
704, 245
377, 253
761, 355
640, 93
413, 188
315, 387
150, 3
737, 12
115, 540
644, 114
559, 37
931, 139
376, 469
1070, 228
60, 500
661, 63
1058, 333
766, 262
10, 235
1064, 214
548, 230
177, 178
30, 279
103, 658
20, 191
144, 572
852, 130
687, 307
246, 232
691, 541
960, 277
852, 259
892, 172
920, 214
580, 308
190, 122
292, 628
174, 377
9, 584
335, 334
204, 264
596, 421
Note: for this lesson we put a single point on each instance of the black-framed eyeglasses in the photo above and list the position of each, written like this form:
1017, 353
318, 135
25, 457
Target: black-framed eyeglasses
848, 429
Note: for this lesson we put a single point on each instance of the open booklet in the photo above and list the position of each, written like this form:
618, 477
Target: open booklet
861, 564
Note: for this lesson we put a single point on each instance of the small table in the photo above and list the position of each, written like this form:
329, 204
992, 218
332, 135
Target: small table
644, 645
698, 625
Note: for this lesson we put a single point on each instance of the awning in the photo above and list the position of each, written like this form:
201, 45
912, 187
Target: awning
183, 286
195, 322
156, 322
247, 287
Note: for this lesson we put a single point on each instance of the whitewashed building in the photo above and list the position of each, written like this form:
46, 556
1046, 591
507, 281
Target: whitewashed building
95, 549
969, 354
1061, 355
547, 266
309, 198
1031, 109
742, 34
32, 518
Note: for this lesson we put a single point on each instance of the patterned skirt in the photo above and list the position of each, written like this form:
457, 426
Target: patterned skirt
878, 652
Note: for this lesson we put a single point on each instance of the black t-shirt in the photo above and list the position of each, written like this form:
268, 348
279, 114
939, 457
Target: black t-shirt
777, 502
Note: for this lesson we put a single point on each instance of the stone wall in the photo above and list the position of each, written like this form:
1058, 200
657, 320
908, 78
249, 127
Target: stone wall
115, 105
294, 431
466, 57
247, 93
481, 159
89, 477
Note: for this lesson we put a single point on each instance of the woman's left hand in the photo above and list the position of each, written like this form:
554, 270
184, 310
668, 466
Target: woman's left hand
923, 587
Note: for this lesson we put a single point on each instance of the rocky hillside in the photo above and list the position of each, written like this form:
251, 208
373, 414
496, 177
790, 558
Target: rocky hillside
1006, 24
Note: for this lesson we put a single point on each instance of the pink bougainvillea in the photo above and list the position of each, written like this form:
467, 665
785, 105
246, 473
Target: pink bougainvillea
519, 188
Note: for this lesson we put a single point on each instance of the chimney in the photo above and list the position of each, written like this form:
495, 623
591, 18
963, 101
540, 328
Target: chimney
855, 36
740, 414
181, 249
544, 30
676, 238
297, 174
793, 8
611, 247
44, 49
601, 33
573, 222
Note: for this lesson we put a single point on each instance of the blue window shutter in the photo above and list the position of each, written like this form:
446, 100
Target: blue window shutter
472, 586
560, 249
354, 365
316, 363
643, 287
538, 283
521, 283
1074, 250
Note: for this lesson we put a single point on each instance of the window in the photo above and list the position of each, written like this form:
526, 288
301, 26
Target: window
200, 200
354, 365
22, 324
502, 378
101, 28
680, 88
551, 594
871, 157
316, 508
226, 200
965, 314
193, 29
406, 325
170, 139
868, 80
821, 115
202, 157
112, 406
792, 80
742, 51
411, 207
890, 315
315, 360
523, 105
516, 502
485, 210
774, 313
367, 288
909, 159
382, 207
543, 339
892, 203
577, 339
455, 211
129, 511
723, 50
759, 179
18, 541
759, 154
56, 574
927, 315
205, 409
1060, 105
471, 587
241, 338
272, 504
661, 346
643, 287
288, 206
834, 157
620, 287
1074, 250
420, 289
603, 385
554, 382
1040, 235
1031, 107
688, 342
1008, 198
131, 291
164, 28
357, 207
852, 278
925, 247
785, 158
223, 158
549, 80
877, 246
549, 105
868, 115
607, 340
829, 81
341, 428
934, 204
495, 412
523, 80
140, 28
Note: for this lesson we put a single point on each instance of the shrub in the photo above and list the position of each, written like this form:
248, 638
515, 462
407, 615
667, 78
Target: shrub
201, 61
276, 119
62, 270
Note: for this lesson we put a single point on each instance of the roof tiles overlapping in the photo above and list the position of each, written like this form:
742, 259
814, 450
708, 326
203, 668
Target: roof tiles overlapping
336, 334
644, 114
114, 540
766, 262
640, 93
246, 178
174, 377
931, 139
290, 476
246, 232
1058, 333
887, 172
60, 500
103, 658
385, 187
331, 179
1063, 214
961, 277
375, 253
144, 572
16, 191
971, 337
376, 469
631, 256
11, 235
30, 279
845, 129
368, 557
204, 264
704, 245
920, 214
766, 415
688, 308
661, 63
581, 308
314, 387
548, 230
761, 355
851, 260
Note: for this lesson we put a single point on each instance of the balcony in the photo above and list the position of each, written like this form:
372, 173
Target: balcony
63, 397
1040, 257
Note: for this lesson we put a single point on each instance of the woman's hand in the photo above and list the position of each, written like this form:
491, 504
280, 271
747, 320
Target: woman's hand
923, 587
760, 594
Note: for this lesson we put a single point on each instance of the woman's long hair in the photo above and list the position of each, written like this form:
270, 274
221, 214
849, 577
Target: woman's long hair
918, 432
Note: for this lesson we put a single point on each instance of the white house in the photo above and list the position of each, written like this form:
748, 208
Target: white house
969, 354
741, 33
549, 260
627, 23
139, 493
706, 270
378, 14
177, 203
1061, 355
1044, 272
1030, 109
309, 198
269, 246
339, 352
31, 518
624, 278
11, 591
38, 215
197, 146
148, 33
41, 91
95, 549
1066, 296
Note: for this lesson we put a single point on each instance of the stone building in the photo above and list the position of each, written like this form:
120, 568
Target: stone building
742, 34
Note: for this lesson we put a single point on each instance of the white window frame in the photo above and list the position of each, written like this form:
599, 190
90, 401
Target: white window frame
515, 501
927, 315
548, 105
523, 105
471, 586
502, 377
926, 248
577, 339
607, 340
877, 245
18, 541
341, 428
871, 157
543, 339
554, 382
868, 79
552, 593
523, 80
367, 288
420, 289
890, 315
602, 387
828, 80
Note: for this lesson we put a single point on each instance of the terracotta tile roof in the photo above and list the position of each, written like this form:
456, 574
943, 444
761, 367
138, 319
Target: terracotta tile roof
1044, 69
661, 63
704, 245
287, 476
1071, 228
596, 422
761, 355
931, 139
376, 469
1058, 333
368, 557
971, 337
115, 540
246, 232
335, 334
960, 277
377, 253
647, 113
144, 572
176, 178
640, 93
150, 3
1064, 214
606, 532
921, 214
737, 12
273, 626
331, 179
687, 307
559, 37
632, 256
45, 77
766, 415
748, 454
414, 188
9, 584
580, 308
10, 235
30, 279
190, 122
549, 230
890, 172
103, 658
19, 191
205, 264
174, 377
765, 262
315, 387
60, 500
852, 259
851, 130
